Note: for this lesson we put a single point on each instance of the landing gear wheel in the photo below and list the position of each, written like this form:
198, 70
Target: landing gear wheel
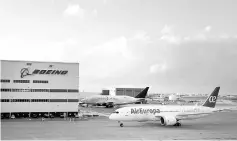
178, 124
121, 124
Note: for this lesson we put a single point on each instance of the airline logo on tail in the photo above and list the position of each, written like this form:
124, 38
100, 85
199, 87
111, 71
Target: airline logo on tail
212, 99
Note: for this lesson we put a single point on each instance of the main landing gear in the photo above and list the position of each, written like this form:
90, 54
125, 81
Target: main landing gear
120, 124
177, 124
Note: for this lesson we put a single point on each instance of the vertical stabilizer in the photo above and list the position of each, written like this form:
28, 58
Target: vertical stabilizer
211, 100
143, 93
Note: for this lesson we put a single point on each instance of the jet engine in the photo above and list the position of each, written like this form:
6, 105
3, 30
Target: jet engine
109, 105
168, 120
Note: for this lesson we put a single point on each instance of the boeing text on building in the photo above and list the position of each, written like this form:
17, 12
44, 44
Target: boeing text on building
28, 86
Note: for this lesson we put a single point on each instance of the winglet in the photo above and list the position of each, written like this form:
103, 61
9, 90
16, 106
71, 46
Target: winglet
211, 100
143, 93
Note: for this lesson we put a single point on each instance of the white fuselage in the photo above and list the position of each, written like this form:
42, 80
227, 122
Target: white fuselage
100, 99
153, 112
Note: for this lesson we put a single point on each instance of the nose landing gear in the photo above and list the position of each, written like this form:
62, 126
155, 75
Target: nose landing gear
120, 124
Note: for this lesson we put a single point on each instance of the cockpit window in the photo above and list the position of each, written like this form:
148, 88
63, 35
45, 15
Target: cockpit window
116, 112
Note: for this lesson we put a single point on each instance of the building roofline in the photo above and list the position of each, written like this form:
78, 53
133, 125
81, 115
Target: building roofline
40, 61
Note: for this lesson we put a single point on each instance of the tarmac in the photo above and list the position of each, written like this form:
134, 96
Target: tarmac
218, 126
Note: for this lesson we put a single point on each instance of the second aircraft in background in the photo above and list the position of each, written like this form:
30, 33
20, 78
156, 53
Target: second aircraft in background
111, 101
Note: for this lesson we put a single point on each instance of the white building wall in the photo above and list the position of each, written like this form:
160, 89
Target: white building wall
38, 95
11, 70
39, 107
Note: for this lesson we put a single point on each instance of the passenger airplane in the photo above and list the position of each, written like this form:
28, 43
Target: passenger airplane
166, 114
111, 101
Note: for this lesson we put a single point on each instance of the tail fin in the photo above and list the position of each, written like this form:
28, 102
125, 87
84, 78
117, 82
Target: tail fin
211, 100
143, 93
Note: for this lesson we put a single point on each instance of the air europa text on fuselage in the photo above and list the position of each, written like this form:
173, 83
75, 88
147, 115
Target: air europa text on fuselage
144, 111
61, 72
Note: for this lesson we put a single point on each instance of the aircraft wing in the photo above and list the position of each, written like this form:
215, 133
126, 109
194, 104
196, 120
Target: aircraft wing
159, 115
110, 103
113, 102
116, 103
193, 113
141, 98
182, 115
228, 109
125, 103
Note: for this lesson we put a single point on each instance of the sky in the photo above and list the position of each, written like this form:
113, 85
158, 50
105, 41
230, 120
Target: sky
169, 45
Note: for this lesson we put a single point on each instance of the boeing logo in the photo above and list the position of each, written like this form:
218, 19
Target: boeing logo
25, 72
212, 99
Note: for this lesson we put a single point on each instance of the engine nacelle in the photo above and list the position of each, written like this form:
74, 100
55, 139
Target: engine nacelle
104, 104
109, 105
168, 120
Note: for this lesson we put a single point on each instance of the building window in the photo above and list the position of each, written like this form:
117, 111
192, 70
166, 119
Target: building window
4, 100
73, 90
5, 90
40, 81
19, 100
5, 81
58, 90
58, 100
40, 90
21, 81
72, 100
39, 100
15, 90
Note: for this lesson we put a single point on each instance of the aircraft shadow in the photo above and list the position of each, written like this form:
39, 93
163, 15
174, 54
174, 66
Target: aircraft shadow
185, 126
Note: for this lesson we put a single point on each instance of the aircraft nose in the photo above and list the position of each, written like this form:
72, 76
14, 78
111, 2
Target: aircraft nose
83, 100
111, 117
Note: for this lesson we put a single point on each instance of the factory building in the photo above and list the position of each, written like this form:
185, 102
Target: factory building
37, 88
105, 92
128, 91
